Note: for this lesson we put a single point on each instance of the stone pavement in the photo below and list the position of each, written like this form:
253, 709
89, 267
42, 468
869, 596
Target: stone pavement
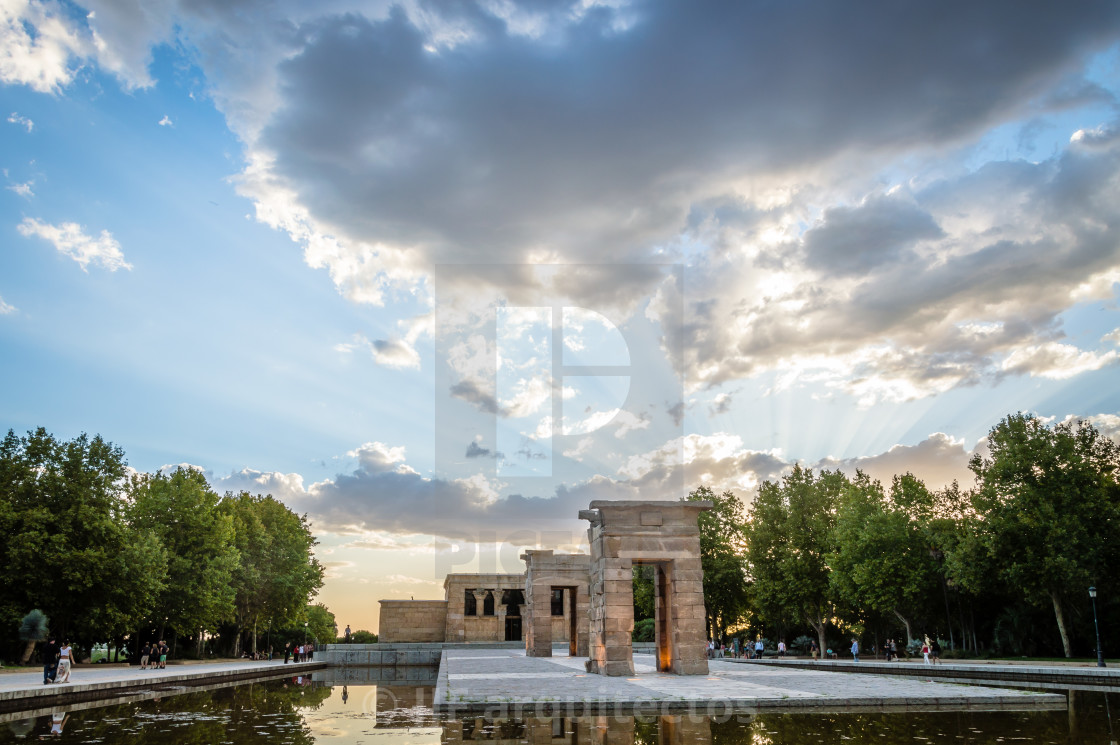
89, 682
506, 681
1079, 676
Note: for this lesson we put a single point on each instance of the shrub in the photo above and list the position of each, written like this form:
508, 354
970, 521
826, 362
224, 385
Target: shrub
644, 630
801, 644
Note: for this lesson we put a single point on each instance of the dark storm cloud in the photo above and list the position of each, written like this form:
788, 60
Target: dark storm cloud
856, 240
597, 137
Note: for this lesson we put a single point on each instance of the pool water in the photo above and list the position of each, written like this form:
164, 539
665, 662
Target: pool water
300, 711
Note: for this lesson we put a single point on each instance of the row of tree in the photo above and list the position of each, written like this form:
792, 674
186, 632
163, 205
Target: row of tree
108, 554
1004, 566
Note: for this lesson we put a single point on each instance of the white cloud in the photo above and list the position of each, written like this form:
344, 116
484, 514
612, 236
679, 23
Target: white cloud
37, 45
70, 240
23, 121
1056, 361
166, 121
6, 309
24, 190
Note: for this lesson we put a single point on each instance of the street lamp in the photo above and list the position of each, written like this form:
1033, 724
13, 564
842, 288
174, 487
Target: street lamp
1096, 627
305, 632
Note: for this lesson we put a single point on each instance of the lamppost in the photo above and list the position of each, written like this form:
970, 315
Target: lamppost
305, 632
1096, 627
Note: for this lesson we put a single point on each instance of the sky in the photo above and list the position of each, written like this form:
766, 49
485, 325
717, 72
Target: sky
438, 274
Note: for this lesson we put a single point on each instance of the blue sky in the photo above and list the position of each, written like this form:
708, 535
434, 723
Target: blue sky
378, 259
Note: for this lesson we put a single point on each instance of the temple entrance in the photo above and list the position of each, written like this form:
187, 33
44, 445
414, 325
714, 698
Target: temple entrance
665, 536
513, 628
556, 587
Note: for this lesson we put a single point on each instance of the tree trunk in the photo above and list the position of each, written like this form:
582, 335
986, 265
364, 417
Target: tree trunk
254, 636
27, 652
818, 626
1061, 622
948, 614
905, 623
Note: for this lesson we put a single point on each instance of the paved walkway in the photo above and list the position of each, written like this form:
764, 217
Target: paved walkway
484, 680
87, 682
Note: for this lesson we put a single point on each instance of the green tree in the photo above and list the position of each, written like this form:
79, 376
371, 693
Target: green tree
882, 560
724, 559
1048, 507
277, 572
321, 624
790, 534
182, 510
65, 545
32, 629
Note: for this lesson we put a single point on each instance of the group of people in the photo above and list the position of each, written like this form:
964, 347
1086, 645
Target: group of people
751, 650
298, 653
57, 659
154, 656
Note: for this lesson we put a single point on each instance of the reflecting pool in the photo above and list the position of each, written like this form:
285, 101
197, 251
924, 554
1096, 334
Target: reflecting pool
299, 710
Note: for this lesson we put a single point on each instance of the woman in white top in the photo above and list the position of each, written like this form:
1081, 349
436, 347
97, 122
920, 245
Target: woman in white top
63, 664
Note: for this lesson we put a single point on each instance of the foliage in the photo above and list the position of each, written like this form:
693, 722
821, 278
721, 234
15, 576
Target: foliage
1050, 507
277, 571
723, 558
882, 560
363, 637
644, 630
62, 535
33, 627
790, 534
321, 624
182, 510
643, 592
802, 644
104, 555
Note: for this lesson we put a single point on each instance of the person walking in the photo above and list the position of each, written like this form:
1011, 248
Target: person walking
145, 655
782, 648
887, 649
735, 647
814, 649
925, 650
758, 648
855, 650
50, 661
935, 651
65, 654
163, 650
894, 650
287, 651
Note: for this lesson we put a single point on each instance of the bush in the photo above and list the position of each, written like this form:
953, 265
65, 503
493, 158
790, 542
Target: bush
914, 648
363, 637
801, 644
644, 630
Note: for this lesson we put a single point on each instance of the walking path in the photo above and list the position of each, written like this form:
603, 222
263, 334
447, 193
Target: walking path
25, 690
508, 682
1075, 675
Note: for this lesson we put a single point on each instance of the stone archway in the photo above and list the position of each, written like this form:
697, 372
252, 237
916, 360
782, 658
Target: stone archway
545, 573
663, 534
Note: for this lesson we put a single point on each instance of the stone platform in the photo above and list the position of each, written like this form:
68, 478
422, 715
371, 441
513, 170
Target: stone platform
24, 691
500, 682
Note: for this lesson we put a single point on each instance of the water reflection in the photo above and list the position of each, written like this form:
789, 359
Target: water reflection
302, 711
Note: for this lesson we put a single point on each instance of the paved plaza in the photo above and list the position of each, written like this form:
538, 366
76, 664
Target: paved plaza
25, 690
489, 679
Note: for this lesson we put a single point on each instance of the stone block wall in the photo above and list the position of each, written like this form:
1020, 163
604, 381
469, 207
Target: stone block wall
544, 572
412, 621
662, 534
476, 628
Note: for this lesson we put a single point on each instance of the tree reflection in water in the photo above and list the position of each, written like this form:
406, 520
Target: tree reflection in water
293, 712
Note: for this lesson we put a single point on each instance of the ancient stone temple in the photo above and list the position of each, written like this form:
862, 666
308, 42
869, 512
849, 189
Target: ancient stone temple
585, 601
666, 536
550, 579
